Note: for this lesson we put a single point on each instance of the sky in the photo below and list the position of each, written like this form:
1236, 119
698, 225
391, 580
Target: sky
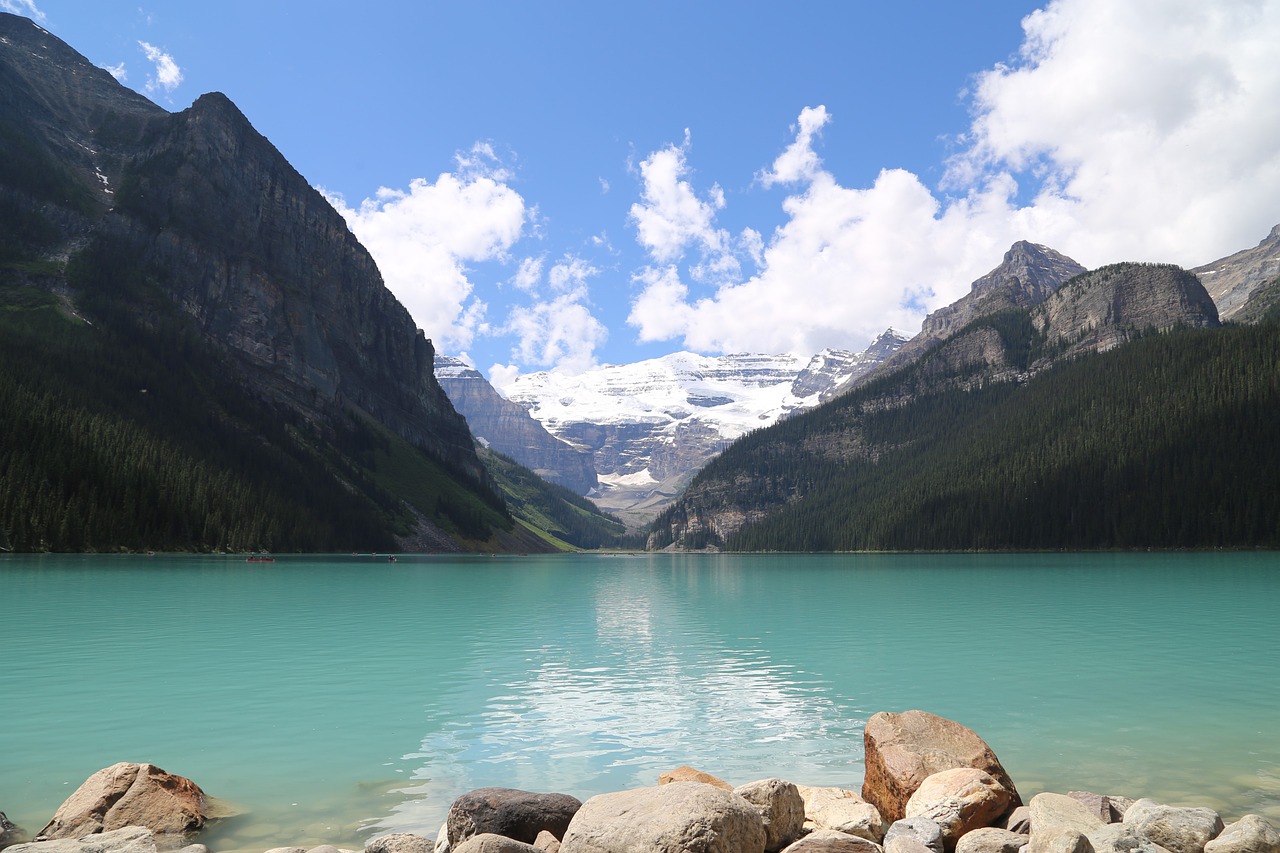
557, 185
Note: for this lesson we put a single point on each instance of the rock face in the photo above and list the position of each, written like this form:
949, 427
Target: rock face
128, 794
902, 750
675, 818
1233, 281
520, 815
508, 428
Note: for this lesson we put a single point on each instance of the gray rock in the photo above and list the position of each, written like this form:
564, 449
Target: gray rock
1250, 834
674, 818
842, 810
921, 829
1118, 838
1178, 830
324, 848
831, 841
959, 800
506, 811
442, 839
129, 794
1059, 841
991, 839
781, 808
9, 833
194, 848
1019, 820
1098, 804
905, 844
400, 842
287, 850
488, 842
1052, 815
127, 839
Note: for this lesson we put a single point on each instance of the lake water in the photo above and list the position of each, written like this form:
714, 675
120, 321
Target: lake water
339, 698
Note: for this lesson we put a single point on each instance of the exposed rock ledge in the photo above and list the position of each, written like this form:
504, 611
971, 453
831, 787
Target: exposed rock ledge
932, 786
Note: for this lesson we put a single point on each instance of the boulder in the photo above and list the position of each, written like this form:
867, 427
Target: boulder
1052, 814
685, 773
287, 850
488, 842
831, 841
126, 839
1059, 841
400, 842
842, 810
959, 800
1118, 838
1178, 830
781, 809
1250, 834
902, 750
128, 794
922, 830
547, 843
442, 839
991, 839
1098, 804
1019, 820
520, 815
905, 844
8, 832
672, 818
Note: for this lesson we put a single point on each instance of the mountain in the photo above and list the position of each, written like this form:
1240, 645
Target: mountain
508, 428
186, 295
1114, 413
650, 425
1238, 280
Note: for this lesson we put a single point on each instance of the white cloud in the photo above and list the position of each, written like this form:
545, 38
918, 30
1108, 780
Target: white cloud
26, 8
528, 275
1136, 131
117, 71
423, 238
561, 332
168, 75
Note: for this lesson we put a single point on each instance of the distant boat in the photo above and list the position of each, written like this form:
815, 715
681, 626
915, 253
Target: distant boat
260, 560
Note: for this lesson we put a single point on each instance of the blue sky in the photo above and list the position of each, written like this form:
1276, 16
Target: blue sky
560, 184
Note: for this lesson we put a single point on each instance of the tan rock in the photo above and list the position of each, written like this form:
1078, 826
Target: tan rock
673, 818
902, 750
685, 773
959, 800
1054, 817
128, 794
842, 810
781, 809
831, 841
547, 843
488, 842
1178, 830
126, 839
1250, 834
991, 839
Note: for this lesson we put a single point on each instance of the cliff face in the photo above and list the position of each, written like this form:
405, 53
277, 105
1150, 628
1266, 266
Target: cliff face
1235, 280
508, 428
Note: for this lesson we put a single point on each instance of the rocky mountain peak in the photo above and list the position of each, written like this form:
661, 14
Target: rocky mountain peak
1030, 271
1233, 280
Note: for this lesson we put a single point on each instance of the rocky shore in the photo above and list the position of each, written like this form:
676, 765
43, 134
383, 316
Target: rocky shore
931, 786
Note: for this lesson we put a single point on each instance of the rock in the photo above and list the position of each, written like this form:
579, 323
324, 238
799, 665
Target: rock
905, 844
287, 850
831, 841
684, 773
1178, 830
488, 842
442, 839
1051, 813
842, 810
902, 750
126, 839
8, 832
547, 843
959, 800
194, 848
1019, 820
781, 808
1098, 804
520, 815
672, 818
400, 842
128, 794
324, 848
1250, 834
1059, 841
924, 830
990, 839
1118, 838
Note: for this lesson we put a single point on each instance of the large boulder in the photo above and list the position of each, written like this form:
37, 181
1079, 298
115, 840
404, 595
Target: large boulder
842, 810
1118, 838
400, 842
922, 831
959, 800
520, 815
488, 842
781, 809
128, 794
902, 750
1109, 809
1250, 834
991, 839
674, 818
126, 839
685, 773
1178, 830
831, 841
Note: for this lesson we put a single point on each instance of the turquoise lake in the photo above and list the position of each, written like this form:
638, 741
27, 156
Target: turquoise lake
335, 699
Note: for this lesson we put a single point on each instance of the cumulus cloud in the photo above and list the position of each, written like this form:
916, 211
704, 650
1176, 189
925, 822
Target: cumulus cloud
1135, 131
26, 8
117, 71
168, 76
423, 238
560, 332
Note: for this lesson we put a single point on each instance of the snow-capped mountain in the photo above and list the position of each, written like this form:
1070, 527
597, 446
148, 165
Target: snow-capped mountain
652, 424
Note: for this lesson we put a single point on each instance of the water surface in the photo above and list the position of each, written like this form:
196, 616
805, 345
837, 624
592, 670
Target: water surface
339, 698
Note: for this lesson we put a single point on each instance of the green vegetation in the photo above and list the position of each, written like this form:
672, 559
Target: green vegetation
1166, 442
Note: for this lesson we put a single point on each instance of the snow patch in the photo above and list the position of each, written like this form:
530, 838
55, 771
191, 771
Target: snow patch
639, 478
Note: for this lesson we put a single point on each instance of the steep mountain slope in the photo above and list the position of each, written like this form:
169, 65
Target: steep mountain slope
1026, 428
190, 236
508, 428
1234, 280
650, 425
